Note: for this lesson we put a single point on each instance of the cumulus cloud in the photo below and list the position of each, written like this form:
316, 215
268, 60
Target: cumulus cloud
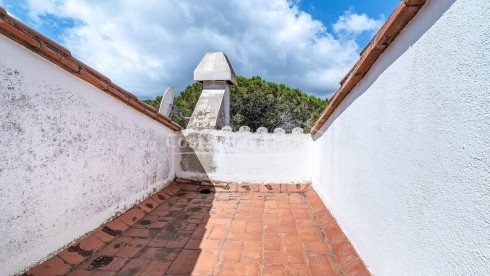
353, 23
146, 46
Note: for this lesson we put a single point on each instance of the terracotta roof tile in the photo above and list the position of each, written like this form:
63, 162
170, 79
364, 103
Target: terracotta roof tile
17, 34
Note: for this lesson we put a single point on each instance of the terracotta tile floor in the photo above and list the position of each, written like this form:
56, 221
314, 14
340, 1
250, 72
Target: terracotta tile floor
222, 233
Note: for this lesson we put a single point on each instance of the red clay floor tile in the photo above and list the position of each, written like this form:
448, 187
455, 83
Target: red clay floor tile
53, 266
157, 267
316, 247
291, 243
106, 263
115, 246
184, 263
110, 231
148, 205
270, 188
159, 253
355, 268
221, 233
132, 216
132, 248
232, 251
273, 270
77, 253
272, 242
297, 270
274, 257
245, 236
134, 266
206, 262
252, 252
320, 264
226, 269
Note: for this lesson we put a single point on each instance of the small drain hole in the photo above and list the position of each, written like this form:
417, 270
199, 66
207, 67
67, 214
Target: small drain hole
205, 191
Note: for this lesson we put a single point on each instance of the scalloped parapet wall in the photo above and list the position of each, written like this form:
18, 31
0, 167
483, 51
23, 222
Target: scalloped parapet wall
263, 130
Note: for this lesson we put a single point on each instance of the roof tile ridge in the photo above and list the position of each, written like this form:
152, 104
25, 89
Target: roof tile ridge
33, 32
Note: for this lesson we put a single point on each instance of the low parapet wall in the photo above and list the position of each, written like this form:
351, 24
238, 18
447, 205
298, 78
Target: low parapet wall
245, 157
71, 157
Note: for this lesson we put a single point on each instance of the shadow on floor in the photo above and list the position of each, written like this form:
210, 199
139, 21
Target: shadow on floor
167, 240
218, 233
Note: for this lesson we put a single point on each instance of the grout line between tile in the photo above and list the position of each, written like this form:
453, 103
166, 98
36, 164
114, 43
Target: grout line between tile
324, 237
297, 231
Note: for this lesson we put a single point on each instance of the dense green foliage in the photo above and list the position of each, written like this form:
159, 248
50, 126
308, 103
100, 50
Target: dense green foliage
255, 102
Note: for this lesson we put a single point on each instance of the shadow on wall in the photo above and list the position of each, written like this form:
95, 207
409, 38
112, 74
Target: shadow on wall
244, 157
431, 15
200, 162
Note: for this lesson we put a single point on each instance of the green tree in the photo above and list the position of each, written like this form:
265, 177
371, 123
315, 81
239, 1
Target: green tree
255, 102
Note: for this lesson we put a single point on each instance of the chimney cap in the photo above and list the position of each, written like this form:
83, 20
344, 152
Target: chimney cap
215, 66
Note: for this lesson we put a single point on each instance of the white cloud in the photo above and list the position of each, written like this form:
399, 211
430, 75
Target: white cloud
353, 23
146, 46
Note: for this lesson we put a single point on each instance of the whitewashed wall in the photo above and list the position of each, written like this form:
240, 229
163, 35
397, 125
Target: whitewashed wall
71, 156
245, 157
404, 161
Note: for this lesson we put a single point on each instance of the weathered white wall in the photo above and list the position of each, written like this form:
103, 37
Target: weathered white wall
71, 157
245, 157
404, 162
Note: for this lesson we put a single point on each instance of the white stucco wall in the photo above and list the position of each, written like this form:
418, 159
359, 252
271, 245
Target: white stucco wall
404, 161
245, 157
71, 156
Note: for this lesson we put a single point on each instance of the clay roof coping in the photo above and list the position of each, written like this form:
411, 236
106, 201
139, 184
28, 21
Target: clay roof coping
59, 55
403, 13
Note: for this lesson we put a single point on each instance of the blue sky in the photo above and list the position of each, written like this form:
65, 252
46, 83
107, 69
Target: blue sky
305, 44
328, 11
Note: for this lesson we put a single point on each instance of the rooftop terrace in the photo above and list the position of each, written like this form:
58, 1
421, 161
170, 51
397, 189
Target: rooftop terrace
191, 228
393, 179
